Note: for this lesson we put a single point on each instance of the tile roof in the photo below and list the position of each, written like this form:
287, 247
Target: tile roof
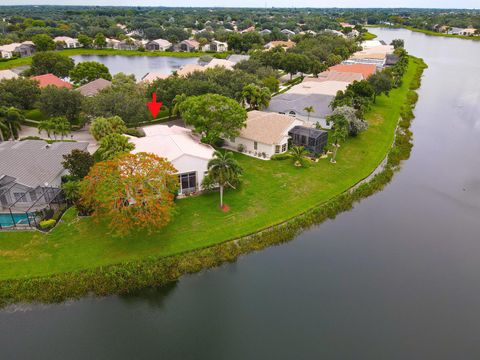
328, 87
237, 58
329, 75
267, 127
153, 75
190, 68
34, 162
365, 69
8, 74
50, 79
227, 64
288, 102
93, 87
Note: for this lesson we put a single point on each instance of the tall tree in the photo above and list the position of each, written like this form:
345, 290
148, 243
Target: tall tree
223, 171
78, 163
50, 62
20, 93
12, 119
381, 82
134, 192
85, 40
87, 71
257, 97
113, 145
100, 40
102, 127
214, 116
56, 102
309, 110
43, 42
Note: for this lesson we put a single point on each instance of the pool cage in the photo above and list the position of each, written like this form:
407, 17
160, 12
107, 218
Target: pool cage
19, 215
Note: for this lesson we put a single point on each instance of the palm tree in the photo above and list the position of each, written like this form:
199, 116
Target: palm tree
257, 97
61, 126
3, 129
223, 170
340, 133
11, 119
45, 125
309, 110
113, 145
299, 155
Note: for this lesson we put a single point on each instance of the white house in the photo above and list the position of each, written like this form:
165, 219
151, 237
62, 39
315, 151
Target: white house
265, 134
216, 46
287, 32
8, 74
26, 48
70, 43
177, 144
227, 64
158, 44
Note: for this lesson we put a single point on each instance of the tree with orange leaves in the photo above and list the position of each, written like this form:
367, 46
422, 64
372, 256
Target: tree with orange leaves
133, 191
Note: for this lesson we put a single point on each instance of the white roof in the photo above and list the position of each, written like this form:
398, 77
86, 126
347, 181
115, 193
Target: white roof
162, 42
8, 74
317, 87
220, 62
9, 47
64, 38
152, 76
370, 43
171, 142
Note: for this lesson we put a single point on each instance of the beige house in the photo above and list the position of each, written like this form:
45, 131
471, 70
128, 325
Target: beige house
284, 44
265, 134
70, 43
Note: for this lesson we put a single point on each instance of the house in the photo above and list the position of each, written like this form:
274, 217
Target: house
70, 43
344, 25
158, 44
189, 45
8, 74
50, 79
227, 64
354, 33
247, 30
127, 44
31, 173
238, 58
178, 145
312, 139
368, 44
264, 135
392, 59
216, 46
93, 87
287, 32
26, 48
190, 68
455, 31
468, 32
329, 75
294, 104
265, 32
376, 55
152, 76
284, 44
335, 32
112, 43
365, 69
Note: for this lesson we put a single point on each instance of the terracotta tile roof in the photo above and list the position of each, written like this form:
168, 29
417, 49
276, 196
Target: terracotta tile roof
365, 69
50, 79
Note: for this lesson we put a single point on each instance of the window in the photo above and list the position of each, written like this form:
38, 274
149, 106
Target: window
277, 149
255, 145
33, 195
188, 182
284, 147
19, 197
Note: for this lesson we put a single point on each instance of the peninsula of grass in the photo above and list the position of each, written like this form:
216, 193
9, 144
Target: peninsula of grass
80, 256
368, 36
9, 64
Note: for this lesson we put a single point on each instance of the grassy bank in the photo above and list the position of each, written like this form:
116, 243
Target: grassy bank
110, 52
79, 256
368, 36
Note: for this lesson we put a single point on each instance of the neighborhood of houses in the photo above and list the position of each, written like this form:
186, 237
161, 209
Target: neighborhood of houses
296, 116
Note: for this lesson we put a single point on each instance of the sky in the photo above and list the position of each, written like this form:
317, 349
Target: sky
468, 4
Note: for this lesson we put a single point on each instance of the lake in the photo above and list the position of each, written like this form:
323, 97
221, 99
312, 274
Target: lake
397, 277
138, 65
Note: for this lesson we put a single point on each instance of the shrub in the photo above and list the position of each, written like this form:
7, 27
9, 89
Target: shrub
280, 157
241, 148
137, 132
47, 224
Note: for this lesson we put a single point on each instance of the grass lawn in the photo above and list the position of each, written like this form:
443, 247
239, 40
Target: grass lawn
368, 36
272, 192
106, 52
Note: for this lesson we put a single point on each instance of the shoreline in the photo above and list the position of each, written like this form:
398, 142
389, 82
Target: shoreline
426, 32
13, 63
157, 270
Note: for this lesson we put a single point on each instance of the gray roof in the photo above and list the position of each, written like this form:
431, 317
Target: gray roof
93, 87
307, 131
34, 162
287, 102
237, 58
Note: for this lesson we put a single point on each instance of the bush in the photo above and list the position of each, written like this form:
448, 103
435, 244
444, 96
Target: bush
241, 148
280, 157
47, 224
137, 132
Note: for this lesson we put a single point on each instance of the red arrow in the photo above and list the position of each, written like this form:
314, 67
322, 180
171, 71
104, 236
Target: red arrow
153, 106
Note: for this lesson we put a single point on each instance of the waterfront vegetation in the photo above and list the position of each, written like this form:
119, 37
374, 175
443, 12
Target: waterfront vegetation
25, 61
274, 202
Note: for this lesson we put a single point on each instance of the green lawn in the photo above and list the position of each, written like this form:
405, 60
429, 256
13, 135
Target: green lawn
368, 36
272, 191
105, 52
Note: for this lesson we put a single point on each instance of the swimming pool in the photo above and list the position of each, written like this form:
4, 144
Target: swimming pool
7, 221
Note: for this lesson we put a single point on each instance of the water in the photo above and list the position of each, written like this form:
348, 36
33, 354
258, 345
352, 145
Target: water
138, 65
398, 277
7, 221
